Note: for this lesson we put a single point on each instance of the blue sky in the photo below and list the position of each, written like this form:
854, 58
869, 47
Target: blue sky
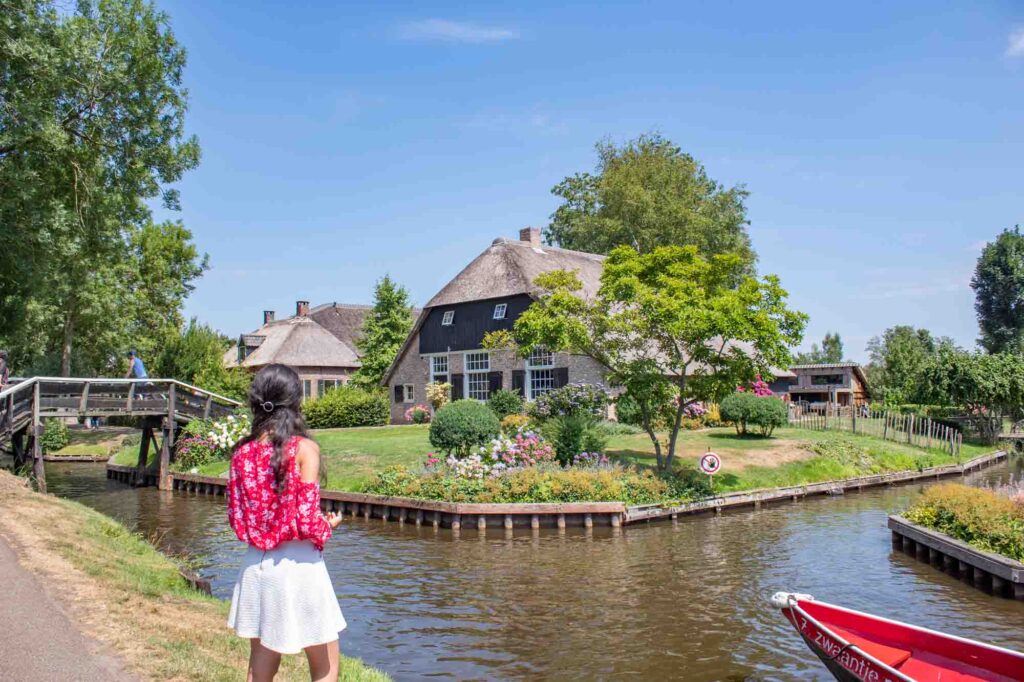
882, 146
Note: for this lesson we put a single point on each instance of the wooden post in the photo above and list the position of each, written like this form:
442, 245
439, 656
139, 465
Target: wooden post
910, 428
164, 475
131, 396
853, 417
885, 427
207, 407
37, 448
83, 404
140, 469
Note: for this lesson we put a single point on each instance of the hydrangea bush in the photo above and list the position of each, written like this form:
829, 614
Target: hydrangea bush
571, 400
225, 433
418, 414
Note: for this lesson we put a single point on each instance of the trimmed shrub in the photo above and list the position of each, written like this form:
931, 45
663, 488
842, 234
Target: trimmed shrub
747, 410
55, 436
347, 406
463, 425
505, 402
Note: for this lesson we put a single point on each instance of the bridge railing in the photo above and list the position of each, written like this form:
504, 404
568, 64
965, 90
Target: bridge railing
23, 406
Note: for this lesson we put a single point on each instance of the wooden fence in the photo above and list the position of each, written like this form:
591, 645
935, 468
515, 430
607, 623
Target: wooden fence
900, 428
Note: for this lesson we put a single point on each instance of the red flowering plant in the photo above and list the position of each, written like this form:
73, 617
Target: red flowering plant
759, 388
418, 414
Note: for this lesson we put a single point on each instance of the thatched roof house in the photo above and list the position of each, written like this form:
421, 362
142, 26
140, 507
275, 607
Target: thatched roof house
319, 344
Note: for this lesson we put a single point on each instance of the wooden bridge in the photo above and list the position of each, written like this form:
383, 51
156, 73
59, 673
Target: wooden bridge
160, 404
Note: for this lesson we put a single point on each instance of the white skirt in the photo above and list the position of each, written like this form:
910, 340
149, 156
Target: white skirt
284, 598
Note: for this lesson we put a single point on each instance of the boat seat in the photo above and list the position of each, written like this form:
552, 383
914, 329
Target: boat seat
889, 655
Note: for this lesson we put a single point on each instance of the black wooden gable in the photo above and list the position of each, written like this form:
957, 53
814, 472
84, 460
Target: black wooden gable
470, 322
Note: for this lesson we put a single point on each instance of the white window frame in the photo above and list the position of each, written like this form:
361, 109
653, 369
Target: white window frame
448, 318
540, 360
324, 385
408, 393
433, 371
500, 310
472, 374
307, 389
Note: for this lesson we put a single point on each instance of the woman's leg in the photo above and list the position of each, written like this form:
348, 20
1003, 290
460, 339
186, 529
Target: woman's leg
323, 662
263, 662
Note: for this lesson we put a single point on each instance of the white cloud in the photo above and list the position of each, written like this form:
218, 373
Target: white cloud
1016, 46
455, 32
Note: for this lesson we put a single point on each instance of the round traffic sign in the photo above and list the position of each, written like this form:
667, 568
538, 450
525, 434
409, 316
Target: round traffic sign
710, 463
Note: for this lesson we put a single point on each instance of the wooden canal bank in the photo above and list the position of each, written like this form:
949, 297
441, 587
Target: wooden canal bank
462, 515
453, 515
987, 571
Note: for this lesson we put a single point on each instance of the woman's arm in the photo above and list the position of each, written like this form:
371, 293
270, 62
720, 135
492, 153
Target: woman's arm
307, 456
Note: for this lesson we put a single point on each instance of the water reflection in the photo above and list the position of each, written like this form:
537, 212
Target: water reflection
683, 600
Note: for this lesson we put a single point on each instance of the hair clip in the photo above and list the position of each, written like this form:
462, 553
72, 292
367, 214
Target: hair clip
268, 406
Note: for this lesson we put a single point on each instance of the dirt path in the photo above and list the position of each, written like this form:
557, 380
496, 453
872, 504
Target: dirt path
39, 641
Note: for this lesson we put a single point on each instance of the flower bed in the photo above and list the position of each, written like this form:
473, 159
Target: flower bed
983, 518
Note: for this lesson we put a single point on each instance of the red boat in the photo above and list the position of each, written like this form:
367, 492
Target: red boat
859, 647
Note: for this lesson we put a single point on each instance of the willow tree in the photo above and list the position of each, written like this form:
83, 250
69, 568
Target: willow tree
668, 326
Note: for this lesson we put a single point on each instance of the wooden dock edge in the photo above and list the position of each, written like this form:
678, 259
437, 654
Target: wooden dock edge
990, 572
756, 498
459, 515
453, 515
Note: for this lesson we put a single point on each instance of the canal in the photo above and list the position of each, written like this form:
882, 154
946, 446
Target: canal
666, 601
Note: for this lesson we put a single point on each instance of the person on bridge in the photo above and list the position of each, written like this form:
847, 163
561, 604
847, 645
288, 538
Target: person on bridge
135, 367
283, 600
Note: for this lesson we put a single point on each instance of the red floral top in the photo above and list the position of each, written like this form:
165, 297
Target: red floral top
262, 517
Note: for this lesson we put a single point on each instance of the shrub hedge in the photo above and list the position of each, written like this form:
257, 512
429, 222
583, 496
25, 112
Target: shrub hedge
347, 406
55, 436
463, 425
746, 409
505, 402
979, 517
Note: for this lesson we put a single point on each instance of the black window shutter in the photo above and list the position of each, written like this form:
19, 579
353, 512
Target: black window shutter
399, 393
494, 382
519, 381
456, 387
561, 376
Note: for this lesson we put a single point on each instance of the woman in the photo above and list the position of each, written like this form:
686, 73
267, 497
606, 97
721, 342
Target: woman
283, 601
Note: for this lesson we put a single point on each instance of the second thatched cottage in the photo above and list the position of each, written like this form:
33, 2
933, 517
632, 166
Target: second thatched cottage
490, 293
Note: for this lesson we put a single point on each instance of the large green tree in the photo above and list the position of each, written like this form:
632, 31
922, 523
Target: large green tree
649, 193
830, 351
92, 113
668, 326
897, 358
384, 330
195, 354
998, 285
986, 386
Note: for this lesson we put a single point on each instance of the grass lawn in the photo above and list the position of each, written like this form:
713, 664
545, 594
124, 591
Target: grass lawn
125, 593
352, 456
101, 442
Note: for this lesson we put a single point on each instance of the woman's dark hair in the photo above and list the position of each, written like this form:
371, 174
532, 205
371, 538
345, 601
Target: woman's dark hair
275, 398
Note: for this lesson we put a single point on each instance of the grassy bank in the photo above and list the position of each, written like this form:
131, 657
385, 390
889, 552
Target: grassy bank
102, 442
353, 457
127, 594
982, 518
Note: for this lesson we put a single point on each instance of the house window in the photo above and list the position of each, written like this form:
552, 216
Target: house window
307, 388
477, 367
826, 379
439, 369
499, 311
540, 373
409, 393
324, 385
447, 318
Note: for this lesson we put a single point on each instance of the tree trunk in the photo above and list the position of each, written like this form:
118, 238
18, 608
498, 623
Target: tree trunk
646, 419
65, 346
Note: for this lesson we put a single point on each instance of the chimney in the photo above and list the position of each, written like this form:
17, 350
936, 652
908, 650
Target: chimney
301, 308
268, 316
530, 235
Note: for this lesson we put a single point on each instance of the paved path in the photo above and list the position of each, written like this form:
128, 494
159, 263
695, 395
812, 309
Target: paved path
38, 641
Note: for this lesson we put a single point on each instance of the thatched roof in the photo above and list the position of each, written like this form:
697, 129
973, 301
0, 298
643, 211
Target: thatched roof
297, 342
508, 267
344, 320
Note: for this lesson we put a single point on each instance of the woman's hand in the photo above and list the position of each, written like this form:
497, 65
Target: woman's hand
334, 519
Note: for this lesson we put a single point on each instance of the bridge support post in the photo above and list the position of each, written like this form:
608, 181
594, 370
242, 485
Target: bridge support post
37, 450
140, 469
164, 481
18, 445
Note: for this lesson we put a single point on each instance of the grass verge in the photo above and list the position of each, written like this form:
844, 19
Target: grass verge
125, 593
